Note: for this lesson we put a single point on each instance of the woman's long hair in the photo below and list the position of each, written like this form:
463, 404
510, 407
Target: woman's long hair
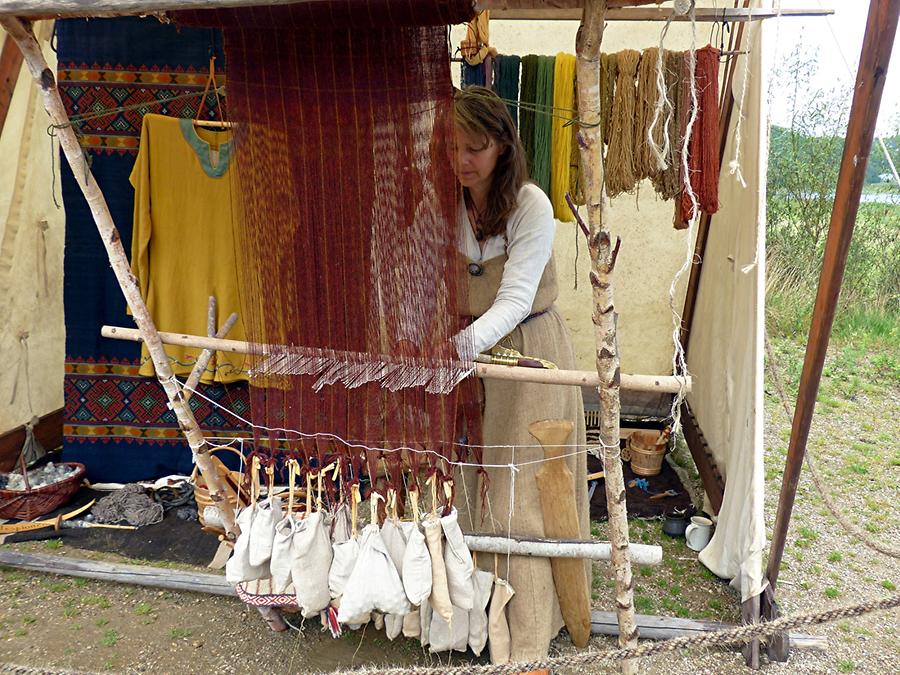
479, 111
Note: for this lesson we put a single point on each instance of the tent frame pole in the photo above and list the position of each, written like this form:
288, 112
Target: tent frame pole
24, 37
881, 28
603, 261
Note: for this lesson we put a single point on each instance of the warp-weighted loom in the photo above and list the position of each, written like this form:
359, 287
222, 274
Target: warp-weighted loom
358, 338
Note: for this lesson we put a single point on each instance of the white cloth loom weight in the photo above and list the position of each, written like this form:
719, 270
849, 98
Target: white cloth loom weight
262, 530
238, 568
482, 582
416, 567
498, 625
458, 561
440, 595
445, 636
374, 583
311, 563
282, 553
392, 533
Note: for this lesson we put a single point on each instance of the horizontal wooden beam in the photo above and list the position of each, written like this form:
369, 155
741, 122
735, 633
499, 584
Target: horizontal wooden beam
668, 627
581, 378
139, 575
703, 15
641, 554
619, 10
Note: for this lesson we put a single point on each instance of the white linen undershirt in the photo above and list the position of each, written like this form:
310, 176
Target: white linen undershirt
530, 231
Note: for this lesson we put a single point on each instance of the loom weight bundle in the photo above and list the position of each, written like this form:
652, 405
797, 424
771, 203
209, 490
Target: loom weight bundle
374, 583
238, 569
556, 487
311, 554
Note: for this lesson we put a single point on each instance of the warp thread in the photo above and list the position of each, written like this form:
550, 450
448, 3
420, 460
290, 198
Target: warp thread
562, 135
506, 82
543, 122
645, 164
620, 173
667, 182
527, 100
131, 504
608, 73
703, 151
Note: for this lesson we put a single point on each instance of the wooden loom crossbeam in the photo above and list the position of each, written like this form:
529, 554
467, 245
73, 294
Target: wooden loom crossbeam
661, 384
618, 10
74, 153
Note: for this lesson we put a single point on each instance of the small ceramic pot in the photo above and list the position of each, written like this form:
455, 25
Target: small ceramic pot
675, 524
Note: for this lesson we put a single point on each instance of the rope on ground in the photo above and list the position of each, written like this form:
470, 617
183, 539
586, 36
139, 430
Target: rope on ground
13, 669
851, 528
739, 634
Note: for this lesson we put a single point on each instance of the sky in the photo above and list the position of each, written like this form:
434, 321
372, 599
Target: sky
828, 38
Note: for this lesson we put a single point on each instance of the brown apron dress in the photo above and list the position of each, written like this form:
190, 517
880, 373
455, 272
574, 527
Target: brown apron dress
509, 407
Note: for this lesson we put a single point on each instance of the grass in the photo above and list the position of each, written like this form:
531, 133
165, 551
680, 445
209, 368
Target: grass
831, 592
180, 634
143, 609
110, 638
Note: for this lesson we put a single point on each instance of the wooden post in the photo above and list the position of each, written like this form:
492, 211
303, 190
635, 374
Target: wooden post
881, 28
603, 261
22, 34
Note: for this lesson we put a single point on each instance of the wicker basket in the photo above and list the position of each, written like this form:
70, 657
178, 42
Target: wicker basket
646, 453
29, 504
230, 479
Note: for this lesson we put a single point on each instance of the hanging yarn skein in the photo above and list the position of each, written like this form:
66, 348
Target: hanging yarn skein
620, 173
543, 122
608, 73
562, 134
507, 83
527, 100
703, 151
667, 182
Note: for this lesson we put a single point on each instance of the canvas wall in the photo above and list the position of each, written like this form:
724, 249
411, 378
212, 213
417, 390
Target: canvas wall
32, 334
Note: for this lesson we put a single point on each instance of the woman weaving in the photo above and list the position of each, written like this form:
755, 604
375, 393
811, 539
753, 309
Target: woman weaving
506, 232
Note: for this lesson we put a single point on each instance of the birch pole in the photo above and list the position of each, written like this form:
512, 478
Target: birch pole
21, 32
603, 260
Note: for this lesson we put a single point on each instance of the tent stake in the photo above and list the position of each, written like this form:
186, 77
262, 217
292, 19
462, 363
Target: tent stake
46, 81
603, 259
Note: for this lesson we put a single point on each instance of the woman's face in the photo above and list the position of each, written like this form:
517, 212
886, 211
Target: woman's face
476, 159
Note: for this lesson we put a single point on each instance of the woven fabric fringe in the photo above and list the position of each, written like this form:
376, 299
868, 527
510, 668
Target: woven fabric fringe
620, 174
563, 133
543, 122
527, 100
703, 151
506, 82
667, 183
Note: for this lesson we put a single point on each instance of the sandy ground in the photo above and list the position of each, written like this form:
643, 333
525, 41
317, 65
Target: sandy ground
59, 623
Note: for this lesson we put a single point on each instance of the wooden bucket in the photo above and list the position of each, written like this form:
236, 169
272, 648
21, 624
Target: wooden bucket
646, 453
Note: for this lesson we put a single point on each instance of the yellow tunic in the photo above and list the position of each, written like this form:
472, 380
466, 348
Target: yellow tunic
183, 242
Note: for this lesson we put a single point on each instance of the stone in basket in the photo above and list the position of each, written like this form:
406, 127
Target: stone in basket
32, 502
